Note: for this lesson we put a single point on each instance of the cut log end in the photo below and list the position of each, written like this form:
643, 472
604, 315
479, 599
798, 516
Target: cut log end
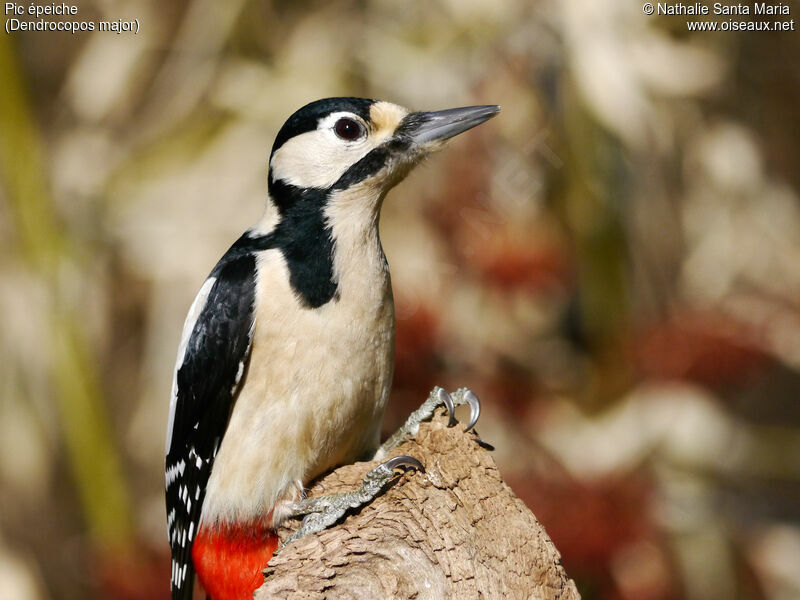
455, 531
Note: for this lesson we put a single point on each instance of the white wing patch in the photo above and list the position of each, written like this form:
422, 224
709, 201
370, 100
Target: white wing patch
188, 326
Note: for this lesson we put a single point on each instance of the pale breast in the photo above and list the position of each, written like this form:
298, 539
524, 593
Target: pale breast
314, 393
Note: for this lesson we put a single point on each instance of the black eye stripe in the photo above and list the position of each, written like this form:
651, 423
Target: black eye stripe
348, 129
368, 166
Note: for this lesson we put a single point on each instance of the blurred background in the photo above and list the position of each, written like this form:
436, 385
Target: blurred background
612, 265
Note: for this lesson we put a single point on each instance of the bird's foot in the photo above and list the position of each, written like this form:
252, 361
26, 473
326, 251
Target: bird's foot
437, 398
322, 512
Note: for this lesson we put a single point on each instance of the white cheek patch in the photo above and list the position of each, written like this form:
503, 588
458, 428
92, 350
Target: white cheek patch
312, 159
318, 158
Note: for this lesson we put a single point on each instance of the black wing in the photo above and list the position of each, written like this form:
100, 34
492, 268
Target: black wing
217, 347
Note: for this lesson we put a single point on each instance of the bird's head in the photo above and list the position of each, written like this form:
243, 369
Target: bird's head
357, 148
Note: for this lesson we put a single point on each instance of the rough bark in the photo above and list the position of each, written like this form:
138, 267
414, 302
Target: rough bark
455, 531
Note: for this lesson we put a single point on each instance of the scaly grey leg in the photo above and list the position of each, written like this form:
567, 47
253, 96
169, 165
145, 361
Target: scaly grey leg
438, 397
322, 512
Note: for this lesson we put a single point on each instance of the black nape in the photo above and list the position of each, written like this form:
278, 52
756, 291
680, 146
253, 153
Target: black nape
305, 240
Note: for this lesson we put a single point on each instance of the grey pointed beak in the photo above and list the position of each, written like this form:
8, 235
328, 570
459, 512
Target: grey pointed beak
441, 125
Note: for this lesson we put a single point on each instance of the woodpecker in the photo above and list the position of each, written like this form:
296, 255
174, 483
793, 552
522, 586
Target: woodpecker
285, 362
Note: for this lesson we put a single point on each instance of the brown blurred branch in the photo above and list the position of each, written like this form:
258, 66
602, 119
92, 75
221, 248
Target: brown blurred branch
455, 531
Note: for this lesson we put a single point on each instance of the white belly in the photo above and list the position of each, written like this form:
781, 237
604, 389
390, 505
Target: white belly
314, 393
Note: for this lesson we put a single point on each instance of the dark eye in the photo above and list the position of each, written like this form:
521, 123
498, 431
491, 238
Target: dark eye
348, 129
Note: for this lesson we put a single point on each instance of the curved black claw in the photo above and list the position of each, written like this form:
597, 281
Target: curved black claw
474, 409
445, 399
408, 462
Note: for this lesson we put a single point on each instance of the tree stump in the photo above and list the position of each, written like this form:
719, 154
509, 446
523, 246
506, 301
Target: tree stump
455, 531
